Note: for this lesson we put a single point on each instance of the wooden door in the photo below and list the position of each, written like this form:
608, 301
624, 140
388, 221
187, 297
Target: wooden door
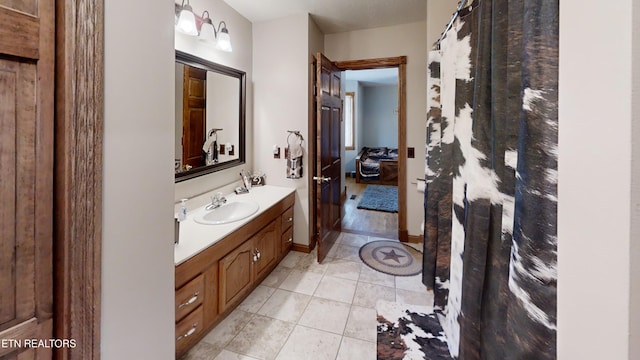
236, 274
194, 115
26, 175
328, 161
266, 246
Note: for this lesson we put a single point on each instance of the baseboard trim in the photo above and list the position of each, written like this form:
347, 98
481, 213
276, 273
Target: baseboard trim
414, 239
301, 248
403, 235
368, 233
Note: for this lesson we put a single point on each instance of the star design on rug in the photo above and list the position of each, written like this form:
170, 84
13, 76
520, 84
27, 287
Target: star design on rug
392, 255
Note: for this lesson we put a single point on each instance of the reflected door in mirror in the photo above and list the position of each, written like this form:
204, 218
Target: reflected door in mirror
194, 117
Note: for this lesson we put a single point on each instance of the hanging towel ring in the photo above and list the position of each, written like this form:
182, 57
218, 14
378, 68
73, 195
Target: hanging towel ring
294, 155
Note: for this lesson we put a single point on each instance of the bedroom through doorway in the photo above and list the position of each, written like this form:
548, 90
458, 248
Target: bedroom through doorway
371, 128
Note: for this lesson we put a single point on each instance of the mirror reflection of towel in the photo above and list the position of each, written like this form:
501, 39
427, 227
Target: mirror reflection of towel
294, 159
207, 144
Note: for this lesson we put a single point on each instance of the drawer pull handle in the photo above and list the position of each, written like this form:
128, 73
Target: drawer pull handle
258, 253
188, 333
290, 239
255, 256
193, 299
290, 219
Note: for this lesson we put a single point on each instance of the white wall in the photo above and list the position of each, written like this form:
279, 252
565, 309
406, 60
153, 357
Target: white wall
137, 314
594, 180
241, 58
401, 40
316, 38
280, 76
438, 15
634, 311
380, 125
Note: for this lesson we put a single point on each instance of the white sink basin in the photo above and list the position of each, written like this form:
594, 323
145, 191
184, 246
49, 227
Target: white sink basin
227, 213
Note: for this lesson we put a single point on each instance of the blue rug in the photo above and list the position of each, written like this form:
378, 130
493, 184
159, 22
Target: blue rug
380, 198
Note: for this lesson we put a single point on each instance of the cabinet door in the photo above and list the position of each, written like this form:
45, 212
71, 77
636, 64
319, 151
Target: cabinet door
266, 244
236, 274
26, 173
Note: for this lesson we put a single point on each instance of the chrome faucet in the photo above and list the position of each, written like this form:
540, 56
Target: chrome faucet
216, 201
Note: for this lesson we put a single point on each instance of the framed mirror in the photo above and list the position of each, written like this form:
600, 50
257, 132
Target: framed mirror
210, 116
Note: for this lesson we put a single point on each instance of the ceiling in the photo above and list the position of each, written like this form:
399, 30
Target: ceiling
335, 16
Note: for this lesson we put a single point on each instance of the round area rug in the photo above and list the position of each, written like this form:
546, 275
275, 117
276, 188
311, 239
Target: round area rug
392, 257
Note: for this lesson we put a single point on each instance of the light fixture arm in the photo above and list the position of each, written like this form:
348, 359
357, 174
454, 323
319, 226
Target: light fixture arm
187, 5
216, 31
206, 19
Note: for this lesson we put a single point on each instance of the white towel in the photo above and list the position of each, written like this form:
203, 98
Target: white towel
295, 150
294, 158
207, 144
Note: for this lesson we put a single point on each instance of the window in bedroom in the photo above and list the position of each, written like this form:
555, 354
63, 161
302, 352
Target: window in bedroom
349, 122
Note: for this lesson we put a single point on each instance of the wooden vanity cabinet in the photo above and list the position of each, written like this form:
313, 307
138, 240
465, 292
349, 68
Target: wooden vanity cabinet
212, 283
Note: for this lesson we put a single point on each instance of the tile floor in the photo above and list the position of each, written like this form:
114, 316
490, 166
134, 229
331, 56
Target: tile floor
306, 310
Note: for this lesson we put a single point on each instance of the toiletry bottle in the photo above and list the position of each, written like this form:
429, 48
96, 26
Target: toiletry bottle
182, 215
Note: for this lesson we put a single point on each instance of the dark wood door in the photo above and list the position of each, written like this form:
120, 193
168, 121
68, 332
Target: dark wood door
26, 175
328, 161
194, 115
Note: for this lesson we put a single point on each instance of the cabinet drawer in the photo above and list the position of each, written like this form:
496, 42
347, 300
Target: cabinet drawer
287, 219
189, 329
189, 297
287, 241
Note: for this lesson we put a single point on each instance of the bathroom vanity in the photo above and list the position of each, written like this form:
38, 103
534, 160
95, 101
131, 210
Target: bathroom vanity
217, 266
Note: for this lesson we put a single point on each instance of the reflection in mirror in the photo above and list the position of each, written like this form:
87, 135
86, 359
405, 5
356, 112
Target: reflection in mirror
210, 117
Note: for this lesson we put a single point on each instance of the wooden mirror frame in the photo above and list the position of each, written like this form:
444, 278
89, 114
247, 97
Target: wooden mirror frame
197, 62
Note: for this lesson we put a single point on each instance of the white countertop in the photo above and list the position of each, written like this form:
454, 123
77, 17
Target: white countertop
196, 237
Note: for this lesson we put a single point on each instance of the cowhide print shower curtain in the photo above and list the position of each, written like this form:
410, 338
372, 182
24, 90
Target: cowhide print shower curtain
490, 248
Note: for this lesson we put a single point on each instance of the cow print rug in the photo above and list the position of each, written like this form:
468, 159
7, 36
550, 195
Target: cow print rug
409, 332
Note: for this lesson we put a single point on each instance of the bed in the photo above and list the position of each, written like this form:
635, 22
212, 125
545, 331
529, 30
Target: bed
377, 165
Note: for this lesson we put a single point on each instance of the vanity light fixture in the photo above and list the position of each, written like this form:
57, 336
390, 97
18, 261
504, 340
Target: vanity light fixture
207, 31
223, 39
187, 20
187, 24
210, 34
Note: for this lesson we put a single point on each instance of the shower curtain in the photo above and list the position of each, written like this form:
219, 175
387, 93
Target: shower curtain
490, 250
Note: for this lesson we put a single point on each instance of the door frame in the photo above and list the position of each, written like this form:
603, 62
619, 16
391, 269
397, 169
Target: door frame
78, 134
399, 62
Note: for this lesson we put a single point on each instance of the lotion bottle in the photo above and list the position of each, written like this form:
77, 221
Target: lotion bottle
182, 214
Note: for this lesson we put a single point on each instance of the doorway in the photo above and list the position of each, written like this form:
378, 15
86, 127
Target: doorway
399, 63
381, 63
370, 200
